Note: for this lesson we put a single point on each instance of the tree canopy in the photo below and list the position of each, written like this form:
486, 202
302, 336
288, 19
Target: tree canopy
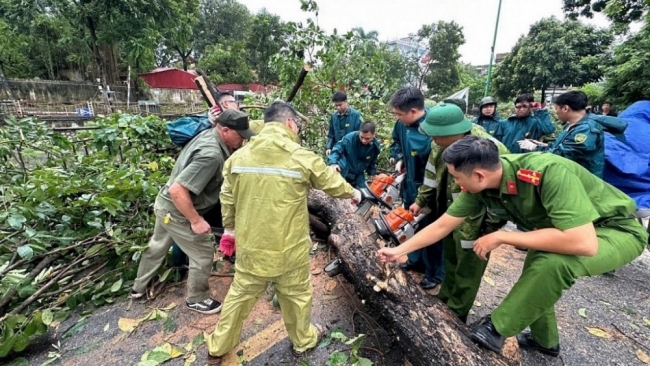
554, 53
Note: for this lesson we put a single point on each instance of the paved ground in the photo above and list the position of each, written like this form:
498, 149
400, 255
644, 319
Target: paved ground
619, 304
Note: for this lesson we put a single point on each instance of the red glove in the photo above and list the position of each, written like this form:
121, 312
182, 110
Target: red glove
227, 245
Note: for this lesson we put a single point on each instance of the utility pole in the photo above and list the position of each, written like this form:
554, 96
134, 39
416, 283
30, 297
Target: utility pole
494, 41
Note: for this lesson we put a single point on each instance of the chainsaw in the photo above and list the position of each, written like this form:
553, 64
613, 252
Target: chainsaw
398, 224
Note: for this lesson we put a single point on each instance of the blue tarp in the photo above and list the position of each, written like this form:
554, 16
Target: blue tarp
627, 164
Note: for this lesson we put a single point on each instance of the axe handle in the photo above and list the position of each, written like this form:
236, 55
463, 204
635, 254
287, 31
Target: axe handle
299, 82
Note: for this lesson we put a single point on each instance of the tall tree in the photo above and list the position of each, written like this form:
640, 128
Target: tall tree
554, 53
267, 37
178, 36
622, 12
220, 21
104, 25
443, 40
226, 63
470, 77
629, 79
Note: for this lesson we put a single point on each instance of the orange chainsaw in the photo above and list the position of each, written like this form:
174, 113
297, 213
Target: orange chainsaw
395, 225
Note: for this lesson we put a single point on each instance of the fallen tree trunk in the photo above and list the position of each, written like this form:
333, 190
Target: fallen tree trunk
426, 329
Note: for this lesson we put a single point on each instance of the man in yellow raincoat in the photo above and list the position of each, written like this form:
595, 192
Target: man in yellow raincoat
264, 204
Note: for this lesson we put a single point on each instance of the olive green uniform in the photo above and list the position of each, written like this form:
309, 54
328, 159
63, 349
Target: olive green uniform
264, 197
463, 268
547, 191
197, 168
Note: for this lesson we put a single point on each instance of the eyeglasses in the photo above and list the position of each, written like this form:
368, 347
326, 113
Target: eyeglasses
297, 122
522, 106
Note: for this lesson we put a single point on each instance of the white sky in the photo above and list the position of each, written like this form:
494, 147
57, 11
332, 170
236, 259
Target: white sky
397, 18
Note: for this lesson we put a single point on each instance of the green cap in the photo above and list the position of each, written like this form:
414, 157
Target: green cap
445, 120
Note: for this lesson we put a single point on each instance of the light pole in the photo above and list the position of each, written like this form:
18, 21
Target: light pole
494, 41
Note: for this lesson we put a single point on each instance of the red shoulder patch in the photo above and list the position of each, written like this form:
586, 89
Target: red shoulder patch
512, 187
529, 176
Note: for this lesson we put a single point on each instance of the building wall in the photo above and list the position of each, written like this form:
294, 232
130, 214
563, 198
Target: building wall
47, 91
175, 95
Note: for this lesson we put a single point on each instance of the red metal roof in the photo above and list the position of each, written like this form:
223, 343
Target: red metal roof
170, 78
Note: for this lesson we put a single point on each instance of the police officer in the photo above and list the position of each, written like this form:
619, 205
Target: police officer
528, 122
446, 124
355, 154
488, 118
409, 152
582, 139
343, 121
192, 190
264, 195
579, 226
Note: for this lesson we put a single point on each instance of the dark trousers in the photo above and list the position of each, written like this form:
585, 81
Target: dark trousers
430, 258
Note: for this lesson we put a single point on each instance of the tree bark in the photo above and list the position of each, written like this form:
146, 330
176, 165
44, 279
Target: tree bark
428, 332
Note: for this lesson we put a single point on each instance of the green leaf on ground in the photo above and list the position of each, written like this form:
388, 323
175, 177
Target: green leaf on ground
582, 312
25, 252
117, 285
198, 340
75, 329
170, 325
47, 317
20, 361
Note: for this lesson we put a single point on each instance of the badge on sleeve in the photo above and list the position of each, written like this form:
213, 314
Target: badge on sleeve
529, 176
580, 138
512, 187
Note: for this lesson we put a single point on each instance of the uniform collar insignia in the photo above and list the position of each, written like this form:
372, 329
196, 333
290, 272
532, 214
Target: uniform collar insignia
529, 176
512, 187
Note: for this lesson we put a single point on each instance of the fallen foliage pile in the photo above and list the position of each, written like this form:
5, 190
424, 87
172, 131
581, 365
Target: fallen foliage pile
75, 215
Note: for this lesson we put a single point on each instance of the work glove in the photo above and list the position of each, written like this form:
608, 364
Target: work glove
399, 166
328, 152
527, 145
213, 113
227, 242
336, 167
357, 197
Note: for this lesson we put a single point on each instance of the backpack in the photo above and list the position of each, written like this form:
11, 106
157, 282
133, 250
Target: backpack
183, 130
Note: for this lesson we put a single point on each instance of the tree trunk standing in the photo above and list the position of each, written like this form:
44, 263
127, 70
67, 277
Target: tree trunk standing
426, 330
95, 50
543, 95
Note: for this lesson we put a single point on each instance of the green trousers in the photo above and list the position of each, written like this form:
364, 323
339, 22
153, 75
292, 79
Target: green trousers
463, 274
531, 302
199, 249
294, 294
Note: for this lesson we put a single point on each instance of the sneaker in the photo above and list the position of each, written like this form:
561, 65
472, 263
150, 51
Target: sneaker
525, 340
208, 306
136, 295
487, 336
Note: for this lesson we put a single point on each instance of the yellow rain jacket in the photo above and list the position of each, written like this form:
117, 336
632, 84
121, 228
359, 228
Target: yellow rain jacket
264, 197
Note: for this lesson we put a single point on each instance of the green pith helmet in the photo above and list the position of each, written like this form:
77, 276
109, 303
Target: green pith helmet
485, 101
445, 120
